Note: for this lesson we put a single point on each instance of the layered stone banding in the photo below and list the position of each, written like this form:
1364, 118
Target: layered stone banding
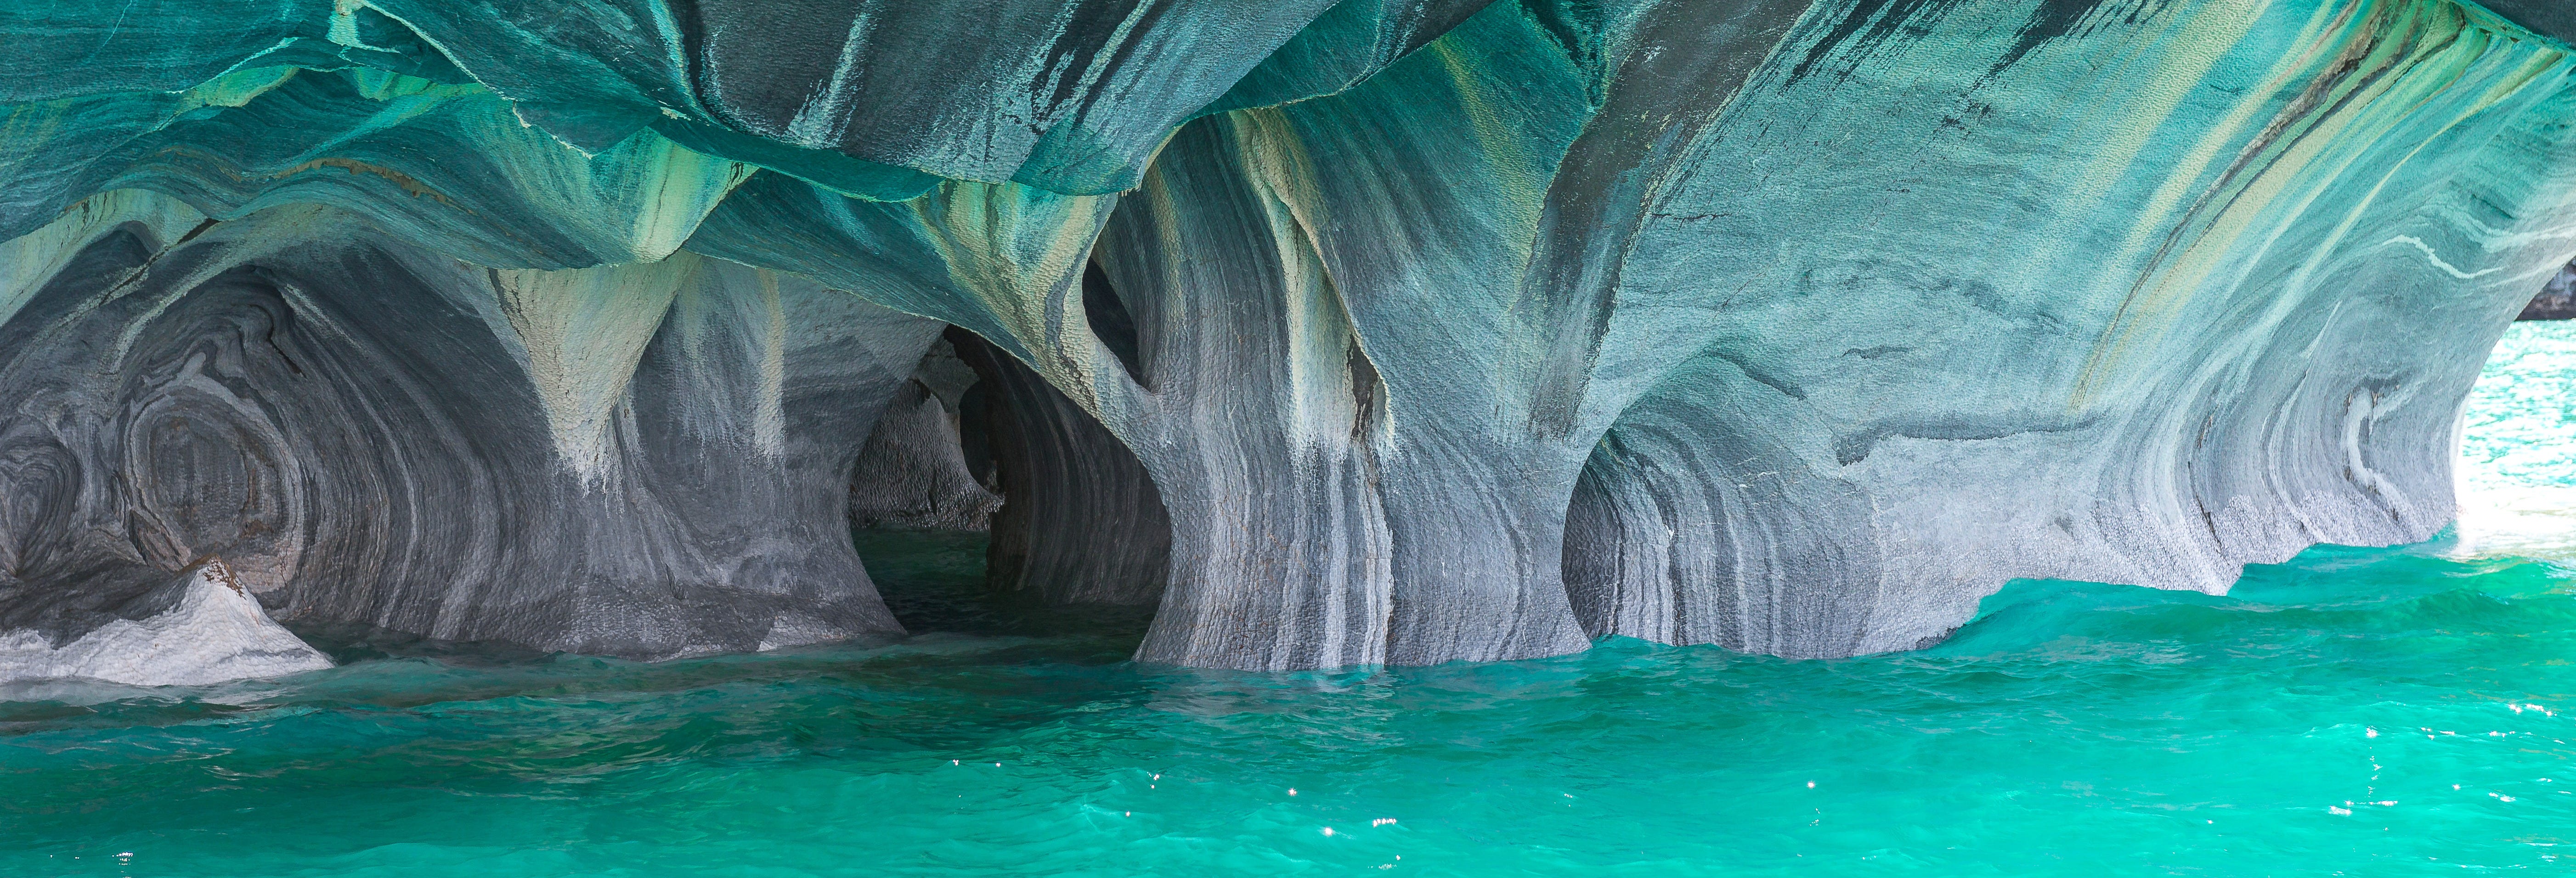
1370, 332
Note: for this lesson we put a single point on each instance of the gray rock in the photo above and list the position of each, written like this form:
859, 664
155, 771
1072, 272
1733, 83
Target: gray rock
1082, 522
647, 461
1348, 334
913, 473
201, 627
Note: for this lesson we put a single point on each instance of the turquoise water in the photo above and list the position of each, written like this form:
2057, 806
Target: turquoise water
2367, 712
2518, 448
2515, 430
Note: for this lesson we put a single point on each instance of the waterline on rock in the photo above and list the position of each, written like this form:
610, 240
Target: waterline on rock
2368, 711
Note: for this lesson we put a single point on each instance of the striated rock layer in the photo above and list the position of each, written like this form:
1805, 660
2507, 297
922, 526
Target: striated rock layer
1378, 331
641, 460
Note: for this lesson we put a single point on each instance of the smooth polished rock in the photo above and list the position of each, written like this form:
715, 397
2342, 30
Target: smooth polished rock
199, 628
2549, 17
1432, 330
1070, 95
646, 460
1081, 521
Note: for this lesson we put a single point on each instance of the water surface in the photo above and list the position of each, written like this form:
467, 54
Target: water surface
2368, 712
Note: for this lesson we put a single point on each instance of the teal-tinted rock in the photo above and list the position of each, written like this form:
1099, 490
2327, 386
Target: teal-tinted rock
2107, 321
2553, 19
1347, 44
1070, 96
1441, 330
446, 165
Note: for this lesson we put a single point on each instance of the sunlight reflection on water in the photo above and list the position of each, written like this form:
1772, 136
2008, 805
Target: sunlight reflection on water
2517, 464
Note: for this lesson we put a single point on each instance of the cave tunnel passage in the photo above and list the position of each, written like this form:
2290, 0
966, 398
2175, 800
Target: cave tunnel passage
987, 503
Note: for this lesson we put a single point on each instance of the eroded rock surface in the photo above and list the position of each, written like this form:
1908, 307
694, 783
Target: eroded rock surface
642, 460
1378, 331
201, 627
914, 473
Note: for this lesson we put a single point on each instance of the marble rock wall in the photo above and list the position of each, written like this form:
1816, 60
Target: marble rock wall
645, 461
1344, 333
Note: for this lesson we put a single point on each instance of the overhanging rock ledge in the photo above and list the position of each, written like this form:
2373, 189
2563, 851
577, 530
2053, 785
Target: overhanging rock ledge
1356, 333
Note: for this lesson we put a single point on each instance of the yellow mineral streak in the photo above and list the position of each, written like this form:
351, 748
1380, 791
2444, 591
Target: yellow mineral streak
584, 331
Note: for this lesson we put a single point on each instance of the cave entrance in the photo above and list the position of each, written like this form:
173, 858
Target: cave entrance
987, 503
2516, 477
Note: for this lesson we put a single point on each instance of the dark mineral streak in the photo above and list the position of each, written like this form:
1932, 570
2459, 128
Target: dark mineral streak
1341, 333
362, 433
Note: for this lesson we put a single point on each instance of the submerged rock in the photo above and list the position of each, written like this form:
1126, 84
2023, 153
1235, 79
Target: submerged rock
1344, 333
202, 627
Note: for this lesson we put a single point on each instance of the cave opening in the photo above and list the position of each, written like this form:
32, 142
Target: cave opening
1111, 321
2515, 477
2556, 299
986, 503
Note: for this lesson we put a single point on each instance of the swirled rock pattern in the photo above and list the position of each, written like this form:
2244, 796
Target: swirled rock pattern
642, 460
1346, 333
